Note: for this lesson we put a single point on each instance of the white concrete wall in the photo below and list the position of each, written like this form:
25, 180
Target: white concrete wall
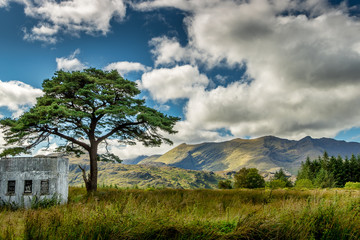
53, 169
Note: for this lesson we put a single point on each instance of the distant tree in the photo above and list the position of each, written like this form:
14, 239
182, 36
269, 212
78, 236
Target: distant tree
352, 185
241, 178
305, 171
304, 183
346, 171
353, 168
225, 184
280, 175
85, 109
330, 171
276, 183
248, 178
324, 179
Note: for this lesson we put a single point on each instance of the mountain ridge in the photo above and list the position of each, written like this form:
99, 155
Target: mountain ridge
265, 153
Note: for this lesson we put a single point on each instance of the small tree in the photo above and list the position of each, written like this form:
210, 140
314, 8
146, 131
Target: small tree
280, 175
85, 109
225, 184
304, 183
249, 178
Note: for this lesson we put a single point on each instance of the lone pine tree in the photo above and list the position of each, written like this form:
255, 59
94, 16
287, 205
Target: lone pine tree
85, 108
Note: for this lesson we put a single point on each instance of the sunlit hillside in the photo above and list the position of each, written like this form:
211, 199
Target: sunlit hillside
143, 176
266, 153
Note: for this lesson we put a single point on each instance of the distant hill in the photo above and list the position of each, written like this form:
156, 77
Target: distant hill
143, 176
135, 160
265, 153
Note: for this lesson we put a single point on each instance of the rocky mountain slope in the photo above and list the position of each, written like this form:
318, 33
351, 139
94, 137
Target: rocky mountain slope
265, 153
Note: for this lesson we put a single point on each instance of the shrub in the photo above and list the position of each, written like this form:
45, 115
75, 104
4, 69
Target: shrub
38, 202
280, 175
352, 185
304, 183
276, 183
225, 184
249, 178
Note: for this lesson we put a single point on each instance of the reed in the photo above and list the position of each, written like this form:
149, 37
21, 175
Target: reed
191, 214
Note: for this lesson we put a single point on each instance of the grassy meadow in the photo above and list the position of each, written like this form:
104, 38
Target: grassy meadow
190, 214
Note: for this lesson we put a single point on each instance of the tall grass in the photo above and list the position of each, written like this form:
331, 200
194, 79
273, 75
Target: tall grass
191, 214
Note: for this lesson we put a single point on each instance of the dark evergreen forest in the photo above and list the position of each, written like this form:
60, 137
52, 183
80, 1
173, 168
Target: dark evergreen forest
330, 171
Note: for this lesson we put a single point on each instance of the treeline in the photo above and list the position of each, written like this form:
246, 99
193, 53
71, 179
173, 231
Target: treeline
250, 178
328, 171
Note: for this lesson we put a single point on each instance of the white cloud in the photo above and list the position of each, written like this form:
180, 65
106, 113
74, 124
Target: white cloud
4, 3
303, 57
72, 16
43, 32
18, 96
162, 107
132, 151
70, 63
126, 67
180, 4
46, 150
179, 82
168, 51
220, 78
186, 134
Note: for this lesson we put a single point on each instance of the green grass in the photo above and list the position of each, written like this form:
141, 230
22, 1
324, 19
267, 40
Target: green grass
191, 214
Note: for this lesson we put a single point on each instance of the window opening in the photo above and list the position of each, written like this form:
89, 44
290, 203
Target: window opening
11, 187
44, 187
28, 186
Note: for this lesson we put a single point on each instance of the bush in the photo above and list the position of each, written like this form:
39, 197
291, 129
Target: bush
276, 183
249, 178
225, 184
38, 202
304, 183
352, 185
280, 175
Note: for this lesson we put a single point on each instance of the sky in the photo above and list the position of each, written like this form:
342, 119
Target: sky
228, 68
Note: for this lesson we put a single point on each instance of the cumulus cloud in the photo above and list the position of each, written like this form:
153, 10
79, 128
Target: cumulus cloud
46, 150
186, 134
72, 16
126, 67
303, 57
4, 3
18, 96
43, 33
70, 63
168, 51
179, 82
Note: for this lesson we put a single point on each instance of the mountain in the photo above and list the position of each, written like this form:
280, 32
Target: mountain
142, 176
267, 153
134, 160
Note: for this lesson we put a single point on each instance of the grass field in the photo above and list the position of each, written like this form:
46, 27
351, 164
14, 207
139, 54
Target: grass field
191, 214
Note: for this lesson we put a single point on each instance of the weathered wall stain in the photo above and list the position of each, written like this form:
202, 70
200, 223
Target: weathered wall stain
22, 178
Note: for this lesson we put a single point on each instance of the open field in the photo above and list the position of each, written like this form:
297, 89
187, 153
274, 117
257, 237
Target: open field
191, 214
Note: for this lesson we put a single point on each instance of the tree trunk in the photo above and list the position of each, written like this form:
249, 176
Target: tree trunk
91, 184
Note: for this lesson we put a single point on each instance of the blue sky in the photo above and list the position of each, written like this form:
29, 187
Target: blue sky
228, 68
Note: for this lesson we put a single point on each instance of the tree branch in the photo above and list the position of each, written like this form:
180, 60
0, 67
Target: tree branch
84, 174
117, 129
71, 139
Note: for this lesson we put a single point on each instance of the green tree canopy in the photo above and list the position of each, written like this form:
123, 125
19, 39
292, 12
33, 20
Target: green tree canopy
280, 175
249, 178
330, 171
85, 109
225, 184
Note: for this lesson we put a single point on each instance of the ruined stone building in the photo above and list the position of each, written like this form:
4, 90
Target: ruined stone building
22, 178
